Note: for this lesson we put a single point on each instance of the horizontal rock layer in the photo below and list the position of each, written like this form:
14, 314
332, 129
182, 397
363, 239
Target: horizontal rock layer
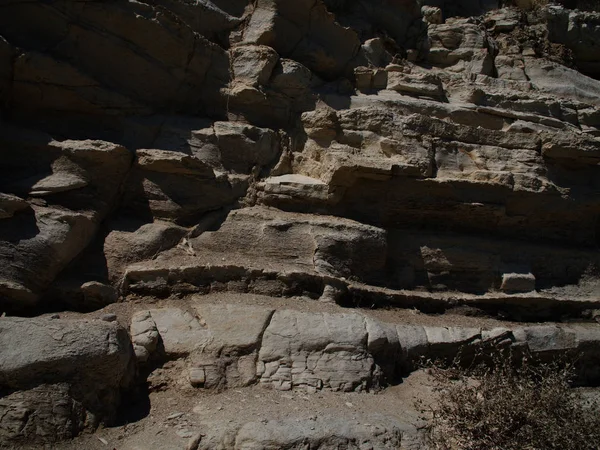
287, 349
437, 157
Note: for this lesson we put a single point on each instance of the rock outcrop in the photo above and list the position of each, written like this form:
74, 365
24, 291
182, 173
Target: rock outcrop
425, 156
289, 350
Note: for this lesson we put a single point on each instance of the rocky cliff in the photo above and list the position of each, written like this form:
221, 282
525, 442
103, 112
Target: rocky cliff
304, 196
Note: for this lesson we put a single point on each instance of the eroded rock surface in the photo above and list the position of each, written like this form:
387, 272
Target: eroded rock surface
289, 350
432, 156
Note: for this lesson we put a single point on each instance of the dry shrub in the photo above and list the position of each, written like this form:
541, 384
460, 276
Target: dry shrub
503, 406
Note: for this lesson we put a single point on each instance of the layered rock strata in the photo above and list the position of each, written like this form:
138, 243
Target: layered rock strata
411, 155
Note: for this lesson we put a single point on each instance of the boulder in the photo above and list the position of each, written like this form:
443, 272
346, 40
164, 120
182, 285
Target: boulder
72, 368
315, 351
324, 433
518, 282
253, 64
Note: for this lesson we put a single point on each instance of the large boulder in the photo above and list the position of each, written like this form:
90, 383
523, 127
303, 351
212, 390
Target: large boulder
74, 367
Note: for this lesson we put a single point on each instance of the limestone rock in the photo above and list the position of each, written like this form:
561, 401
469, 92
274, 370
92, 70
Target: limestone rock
304, 31
419, 84
10, 204
461, 45
294, 350
98, 294
579, 31
142, 52
317, 352
180, 332
432, 14
144, 335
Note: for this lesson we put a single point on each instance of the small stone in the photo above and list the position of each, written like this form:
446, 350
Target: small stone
432, 14
518, 282
55, 316
110, 317
98, 294
196, 376
194, 441
184, 434
174, 415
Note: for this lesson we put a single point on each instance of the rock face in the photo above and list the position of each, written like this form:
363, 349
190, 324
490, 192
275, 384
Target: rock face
246, 104
433, 156
70, 187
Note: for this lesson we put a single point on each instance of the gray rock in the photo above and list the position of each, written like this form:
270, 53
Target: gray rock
10, 204
175, 186
144, 335
80, 181
253, 64
315, 351
123, 247
518, 282
110, 317
41, 415
326, 433
97, 294
88, 361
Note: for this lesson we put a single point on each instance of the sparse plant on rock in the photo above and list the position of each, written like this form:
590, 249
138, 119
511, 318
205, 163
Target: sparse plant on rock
501, 405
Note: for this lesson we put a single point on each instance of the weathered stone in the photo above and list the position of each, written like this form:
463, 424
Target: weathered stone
144, 335
123, 247
174, 186
518, 282
140, 51
224, 321
10, 204
43, 414
315, 351
98, 294
89, 361
325, 433
304, 31
432, 14
180, 332
253, 64
79, 180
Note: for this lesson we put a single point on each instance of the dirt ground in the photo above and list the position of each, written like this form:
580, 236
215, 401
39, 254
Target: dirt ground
175, 415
